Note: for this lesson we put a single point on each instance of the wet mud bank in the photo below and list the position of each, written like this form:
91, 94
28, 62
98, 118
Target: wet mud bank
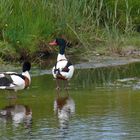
97, 62
106, 62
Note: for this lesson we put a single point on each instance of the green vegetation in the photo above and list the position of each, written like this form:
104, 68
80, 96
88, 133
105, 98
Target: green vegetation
27, 25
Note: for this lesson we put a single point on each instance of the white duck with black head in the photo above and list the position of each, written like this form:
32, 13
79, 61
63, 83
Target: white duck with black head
63, 69
15, 81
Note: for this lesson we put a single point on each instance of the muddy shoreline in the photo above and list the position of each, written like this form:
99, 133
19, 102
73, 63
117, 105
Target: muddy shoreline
106, 62
95, 62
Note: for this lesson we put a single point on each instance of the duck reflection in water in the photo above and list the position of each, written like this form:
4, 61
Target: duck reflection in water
18, 114
64, 108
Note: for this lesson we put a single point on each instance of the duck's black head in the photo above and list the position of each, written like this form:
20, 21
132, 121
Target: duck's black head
26, 66
61, 43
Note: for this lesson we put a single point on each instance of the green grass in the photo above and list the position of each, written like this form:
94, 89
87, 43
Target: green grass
26, 23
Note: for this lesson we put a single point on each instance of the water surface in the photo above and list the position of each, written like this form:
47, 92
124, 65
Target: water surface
103, 104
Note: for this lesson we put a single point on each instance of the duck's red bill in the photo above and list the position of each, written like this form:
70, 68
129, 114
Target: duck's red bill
53, 43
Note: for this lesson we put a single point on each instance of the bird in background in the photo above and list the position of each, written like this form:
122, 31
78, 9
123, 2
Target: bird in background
15, 81
63, 69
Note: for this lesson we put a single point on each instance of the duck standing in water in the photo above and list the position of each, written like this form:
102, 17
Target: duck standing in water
63, 69
15, 81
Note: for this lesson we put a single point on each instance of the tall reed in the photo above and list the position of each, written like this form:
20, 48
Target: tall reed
24, 23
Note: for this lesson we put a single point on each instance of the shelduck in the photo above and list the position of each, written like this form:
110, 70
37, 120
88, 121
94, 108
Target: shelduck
63, 69
15, 81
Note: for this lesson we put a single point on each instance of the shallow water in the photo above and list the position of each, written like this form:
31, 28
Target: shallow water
103, 104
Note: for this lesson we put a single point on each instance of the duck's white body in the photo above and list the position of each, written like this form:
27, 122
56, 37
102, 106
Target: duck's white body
15, 81
61, 64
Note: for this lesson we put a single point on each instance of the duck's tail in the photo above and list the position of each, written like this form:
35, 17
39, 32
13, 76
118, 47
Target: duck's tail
3, 87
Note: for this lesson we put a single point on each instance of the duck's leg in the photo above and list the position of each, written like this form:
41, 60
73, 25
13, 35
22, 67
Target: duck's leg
57, 86
11, 95
66, 86
12, 101
15, 95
